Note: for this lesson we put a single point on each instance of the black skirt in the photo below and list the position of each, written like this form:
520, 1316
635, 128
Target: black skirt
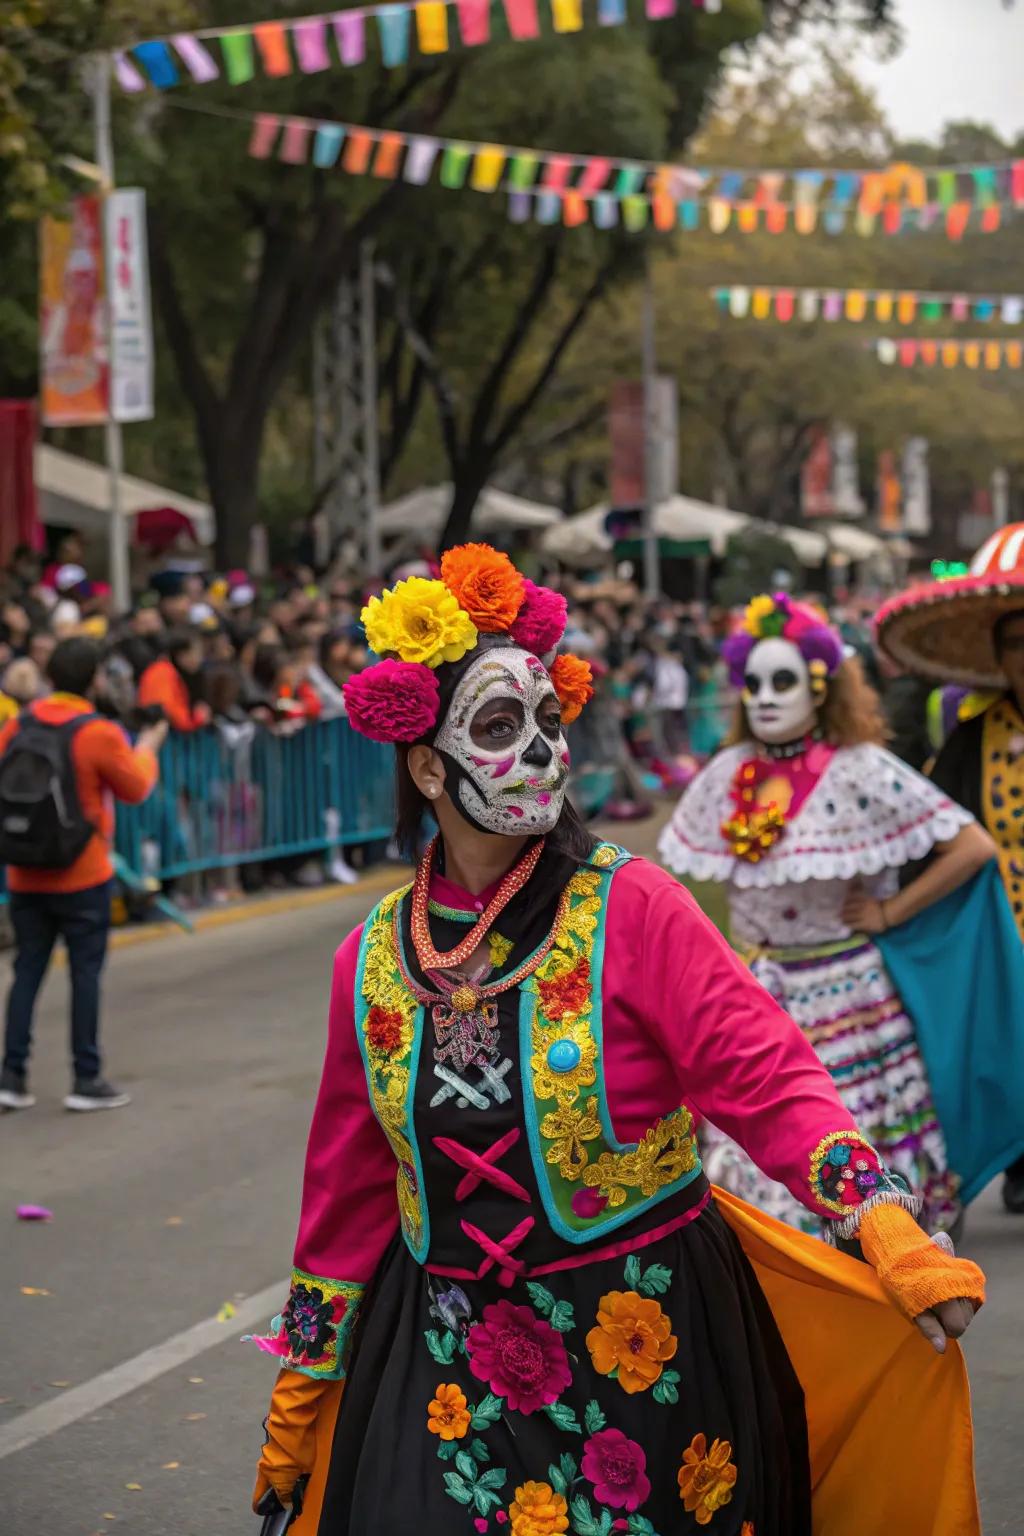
649, 1393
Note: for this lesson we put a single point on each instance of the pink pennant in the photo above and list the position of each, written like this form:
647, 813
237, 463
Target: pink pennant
196, 59
522, 19
785, 302
295, 142
556, 173
265, 129
960, 309
908, 354
311, 45
128, 77
474, 21
657, 10
350, 30
595, 173
1017, 182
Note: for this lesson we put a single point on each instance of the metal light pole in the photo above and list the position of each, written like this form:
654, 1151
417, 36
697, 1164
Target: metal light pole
652, 560
120, 575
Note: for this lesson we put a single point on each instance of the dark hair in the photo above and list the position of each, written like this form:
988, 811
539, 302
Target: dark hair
568, 838
180, 640
267, 662
1000, 627
73, 666
329, 640
222, 686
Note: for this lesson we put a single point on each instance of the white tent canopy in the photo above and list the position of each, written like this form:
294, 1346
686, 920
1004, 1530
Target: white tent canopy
424, 512
76, 492
856, 543
583, 539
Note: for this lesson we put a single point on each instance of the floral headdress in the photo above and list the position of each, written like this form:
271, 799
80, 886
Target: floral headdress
419, 624
780, 617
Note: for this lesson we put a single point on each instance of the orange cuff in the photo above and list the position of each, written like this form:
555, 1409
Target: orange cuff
915, 1272
291, 1431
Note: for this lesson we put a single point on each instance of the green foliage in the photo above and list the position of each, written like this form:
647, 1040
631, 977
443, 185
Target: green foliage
753, 562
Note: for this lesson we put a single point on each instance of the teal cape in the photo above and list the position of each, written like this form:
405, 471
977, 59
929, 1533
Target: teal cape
959, 968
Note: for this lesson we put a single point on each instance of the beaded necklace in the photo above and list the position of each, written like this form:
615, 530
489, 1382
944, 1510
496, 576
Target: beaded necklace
432, 959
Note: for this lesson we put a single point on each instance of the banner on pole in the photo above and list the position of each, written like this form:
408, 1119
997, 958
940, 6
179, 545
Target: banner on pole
74, 365
890, 493
131, 330
628, 476
917, 502
829, 477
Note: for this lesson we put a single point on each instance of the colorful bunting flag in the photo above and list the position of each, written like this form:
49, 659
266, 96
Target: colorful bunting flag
239, 65
310, 39
990, 355
196, 59
350, 32
855, 305
474, 22
272, 42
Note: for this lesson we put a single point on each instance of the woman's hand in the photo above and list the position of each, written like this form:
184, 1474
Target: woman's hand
949, 1320
863, 913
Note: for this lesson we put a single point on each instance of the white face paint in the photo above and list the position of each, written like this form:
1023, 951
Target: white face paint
777, 692
505, 754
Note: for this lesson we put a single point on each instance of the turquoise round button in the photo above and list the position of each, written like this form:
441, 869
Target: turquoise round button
563, 1055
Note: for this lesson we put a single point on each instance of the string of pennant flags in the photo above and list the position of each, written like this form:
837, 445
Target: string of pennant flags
553, 186
977, 354
903, 306
310, 44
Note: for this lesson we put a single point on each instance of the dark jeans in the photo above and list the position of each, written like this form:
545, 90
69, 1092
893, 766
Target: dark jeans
82, 920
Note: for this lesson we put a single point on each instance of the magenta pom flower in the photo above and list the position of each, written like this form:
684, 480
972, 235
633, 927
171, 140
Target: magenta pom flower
616, 1467
393, 701
520, 1356
540, 622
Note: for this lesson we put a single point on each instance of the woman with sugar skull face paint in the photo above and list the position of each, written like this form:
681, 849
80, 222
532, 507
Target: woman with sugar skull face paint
517, 1306
808, 820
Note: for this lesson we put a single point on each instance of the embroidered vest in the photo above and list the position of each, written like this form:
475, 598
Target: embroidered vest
590, 1183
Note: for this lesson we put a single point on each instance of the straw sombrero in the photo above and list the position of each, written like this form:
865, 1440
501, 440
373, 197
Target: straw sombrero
945, 630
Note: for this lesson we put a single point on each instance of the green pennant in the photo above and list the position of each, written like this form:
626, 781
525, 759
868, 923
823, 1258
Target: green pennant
455, 165
522, 172
629, 180
946, 186
635, 213
986, 185
238, 61
932, 310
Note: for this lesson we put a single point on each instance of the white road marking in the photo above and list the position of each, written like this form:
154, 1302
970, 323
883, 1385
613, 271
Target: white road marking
24, 1430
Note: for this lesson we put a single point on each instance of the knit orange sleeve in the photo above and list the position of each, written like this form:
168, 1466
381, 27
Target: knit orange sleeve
916, 1273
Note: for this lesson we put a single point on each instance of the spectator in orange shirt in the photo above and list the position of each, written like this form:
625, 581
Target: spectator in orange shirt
174, 682
73, 901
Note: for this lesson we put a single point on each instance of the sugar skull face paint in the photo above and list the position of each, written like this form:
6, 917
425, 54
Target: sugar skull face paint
502, 745
777, 692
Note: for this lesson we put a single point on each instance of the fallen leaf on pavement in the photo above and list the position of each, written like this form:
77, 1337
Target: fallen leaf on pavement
196, 1381
193, 1418
134, 1487
60, 1383
170, 1466
109, 1517
174, 1221
225, 1314
33, 1290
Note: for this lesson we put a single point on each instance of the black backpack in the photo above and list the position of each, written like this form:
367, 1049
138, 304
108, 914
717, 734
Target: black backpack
41, 821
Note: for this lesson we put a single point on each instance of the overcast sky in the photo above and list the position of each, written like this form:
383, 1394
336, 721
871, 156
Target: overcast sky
962, 59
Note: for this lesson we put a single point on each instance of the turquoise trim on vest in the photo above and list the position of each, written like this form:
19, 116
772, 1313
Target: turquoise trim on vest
584, 1229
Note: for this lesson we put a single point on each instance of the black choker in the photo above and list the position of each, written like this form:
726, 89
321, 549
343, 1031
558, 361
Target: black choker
781, 751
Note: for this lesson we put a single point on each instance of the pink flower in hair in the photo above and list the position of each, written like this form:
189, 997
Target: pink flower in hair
393, 701
540, 622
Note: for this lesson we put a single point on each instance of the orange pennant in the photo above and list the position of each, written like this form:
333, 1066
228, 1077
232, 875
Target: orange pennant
972, 354
856, 304
950, 354
272, 41
991, 219
574, 208
957, 216
775, 218
1014, 354
389, 155
805, 218
906, 308
993, 355
747, 218
358, 149
929, 353
664, 210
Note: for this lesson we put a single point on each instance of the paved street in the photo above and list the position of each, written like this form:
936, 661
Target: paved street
186, 1201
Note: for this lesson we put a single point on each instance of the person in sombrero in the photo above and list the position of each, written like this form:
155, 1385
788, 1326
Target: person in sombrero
970, 631
518, 1307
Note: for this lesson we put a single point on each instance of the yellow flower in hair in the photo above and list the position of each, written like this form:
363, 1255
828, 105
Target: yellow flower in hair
419, 620
758, 609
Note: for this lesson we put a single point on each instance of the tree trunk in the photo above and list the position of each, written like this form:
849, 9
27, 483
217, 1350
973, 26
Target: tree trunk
465, 494
233, 468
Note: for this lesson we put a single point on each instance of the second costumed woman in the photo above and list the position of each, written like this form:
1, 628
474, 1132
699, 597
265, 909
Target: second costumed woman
809, 822
517, 1305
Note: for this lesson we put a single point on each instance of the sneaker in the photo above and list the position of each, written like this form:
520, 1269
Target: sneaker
95, 1093
14, 1092
341, 871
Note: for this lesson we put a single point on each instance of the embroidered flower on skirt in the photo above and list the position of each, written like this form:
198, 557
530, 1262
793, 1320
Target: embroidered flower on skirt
447, 1413
633, 1338
520, 1356
706, 1478
616, 1467
537, 1510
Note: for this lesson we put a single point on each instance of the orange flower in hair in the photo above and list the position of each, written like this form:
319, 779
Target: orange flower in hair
485, 584
572, 680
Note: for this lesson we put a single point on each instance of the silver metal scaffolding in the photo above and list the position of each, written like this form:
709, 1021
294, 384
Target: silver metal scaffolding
345, 432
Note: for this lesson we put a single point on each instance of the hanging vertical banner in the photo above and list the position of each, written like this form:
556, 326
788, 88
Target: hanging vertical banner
889, 492
816, 476
626, 438
131, 330
846, 498
74, 370
917, 499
